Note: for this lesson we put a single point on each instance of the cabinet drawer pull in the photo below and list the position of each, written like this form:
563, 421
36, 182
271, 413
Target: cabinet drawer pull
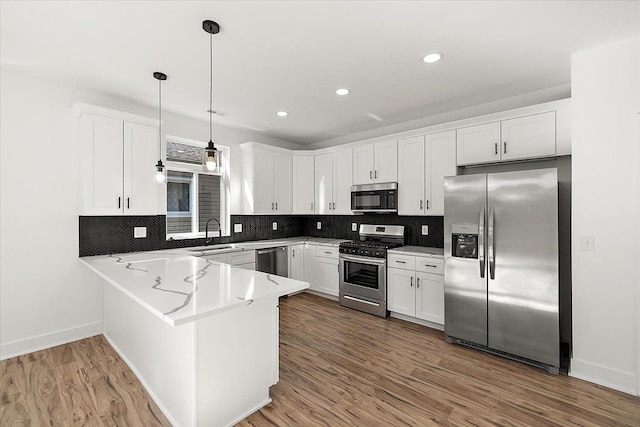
431, 265
401, 262
327, 252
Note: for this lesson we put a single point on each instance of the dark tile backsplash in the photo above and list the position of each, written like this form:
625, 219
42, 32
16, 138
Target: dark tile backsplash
100, 235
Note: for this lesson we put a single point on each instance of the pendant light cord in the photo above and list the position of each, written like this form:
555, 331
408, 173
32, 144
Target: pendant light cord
159, 118
210, 87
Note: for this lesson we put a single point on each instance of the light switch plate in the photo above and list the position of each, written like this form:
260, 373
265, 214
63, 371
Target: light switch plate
139, 232
237, 228
354, 226
425, 230
275, 225
587, 243
319, 225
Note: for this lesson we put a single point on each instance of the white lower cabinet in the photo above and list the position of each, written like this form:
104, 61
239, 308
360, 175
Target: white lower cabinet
415, 287
240, 259
296, 262
321, 268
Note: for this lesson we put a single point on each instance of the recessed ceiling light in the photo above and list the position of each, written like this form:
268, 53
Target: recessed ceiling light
282, 113
342, 91
432, 57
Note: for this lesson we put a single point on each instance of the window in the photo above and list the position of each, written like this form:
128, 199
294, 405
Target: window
195, 196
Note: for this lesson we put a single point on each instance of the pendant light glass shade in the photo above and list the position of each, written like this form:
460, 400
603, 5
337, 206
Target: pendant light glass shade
160, 170
211, 156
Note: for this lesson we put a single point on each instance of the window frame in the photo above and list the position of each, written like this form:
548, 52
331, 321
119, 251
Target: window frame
196, 169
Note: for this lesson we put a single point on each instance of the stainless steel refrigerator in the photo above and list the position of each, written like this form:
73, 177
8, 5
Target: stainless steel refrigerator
501, 264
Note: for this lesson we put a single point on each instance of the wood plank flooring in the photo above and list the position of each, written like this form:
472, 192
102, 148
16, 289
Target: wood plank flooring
84, 383
338, 367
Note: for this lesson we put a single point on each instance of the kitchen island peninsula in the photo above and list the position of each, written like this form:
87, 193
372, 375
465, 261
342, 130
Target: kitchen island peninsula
200, 335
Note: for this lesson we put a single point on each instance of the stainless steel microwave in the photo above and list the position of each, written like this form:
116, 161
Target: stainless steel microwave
375, 197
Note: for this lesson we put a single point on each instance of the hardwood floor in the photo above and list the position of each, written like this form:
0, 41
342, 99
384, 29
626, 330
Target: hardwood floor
338, 367
84, 383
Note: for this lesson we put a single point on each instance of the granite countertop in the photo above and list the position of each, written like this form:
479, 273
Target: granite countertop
418, 251
180, 288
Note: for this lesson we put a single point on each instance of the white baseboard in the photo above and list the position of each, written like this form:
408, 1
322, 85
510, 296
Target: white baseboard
321, 294
416, 320
29, 345
605, 376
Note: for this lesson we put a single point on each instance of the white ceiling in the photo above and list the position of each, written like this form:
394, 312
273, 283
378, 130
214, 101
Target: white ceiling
293, 55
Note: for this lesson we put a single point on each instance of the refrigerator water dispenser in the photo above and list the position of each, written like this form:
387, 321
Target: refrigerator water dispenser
464, 240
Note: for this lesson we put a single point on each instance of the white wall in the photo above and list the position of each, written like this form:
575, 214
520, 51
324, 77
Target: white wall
46, 296
605, 99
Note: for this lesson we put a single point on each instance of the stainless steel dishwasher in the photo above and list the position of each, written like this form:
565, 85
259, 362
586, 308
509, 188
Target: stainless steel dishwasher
273, 260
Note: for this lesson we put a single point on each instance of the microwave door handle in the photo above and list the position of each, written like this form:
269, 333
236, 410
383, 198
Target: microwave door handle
481, 242
492, 249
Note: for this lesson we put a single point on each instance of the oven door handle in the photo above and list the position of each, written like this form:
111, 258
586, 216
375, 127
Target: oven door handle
363, 259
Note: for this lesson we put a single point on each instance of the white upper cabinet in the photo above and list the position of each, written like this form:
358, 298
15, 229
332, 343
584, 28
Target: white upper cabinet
411, 176
440, 161
303, 183
118, 166
282, 181
479, 144
266, 179
524, 137
333, 182
423, 162
377, 162
342, 175
530, 136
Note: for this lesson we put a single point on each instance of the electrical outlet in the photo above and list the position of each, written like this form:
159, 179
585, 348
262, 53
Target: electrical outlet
587, 243
237, 228
275, 225
139, 232
354, 226
319, 225
425, 230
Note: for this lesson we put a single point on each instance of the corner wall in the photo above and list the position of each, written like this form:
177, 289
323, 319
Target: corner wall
605, 100
46, 296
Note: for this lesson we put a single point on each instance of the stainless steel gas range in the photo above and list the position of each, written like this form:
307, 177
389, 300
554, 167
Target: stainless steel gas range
363, 268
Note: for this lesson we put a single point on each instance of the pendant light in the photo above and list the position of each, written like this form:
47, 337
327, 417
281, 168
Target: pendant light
160, 167
211, 156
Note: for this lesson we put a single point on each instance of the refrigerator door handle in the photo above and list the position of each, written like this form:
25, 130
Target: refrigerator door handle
490, 237
481, 242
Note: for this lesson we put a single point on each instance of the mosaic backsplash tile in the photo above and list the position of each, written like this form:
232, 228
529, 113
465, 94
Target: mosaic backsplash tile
100, 235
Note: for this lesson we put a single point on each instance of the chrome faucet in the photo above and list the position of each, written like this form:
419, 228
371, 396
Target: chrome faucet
207, 239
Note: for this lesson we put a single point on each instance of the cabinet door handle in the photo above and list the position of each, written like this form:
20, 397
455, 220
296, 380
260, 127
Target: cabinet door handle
128, 207
375, 174
311, 206
276, 205
119, 202
272, 205
418, 282
496, 148
420, 204
505, 147
334, 206
411, 282
293, 255
370, 174
427, 205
